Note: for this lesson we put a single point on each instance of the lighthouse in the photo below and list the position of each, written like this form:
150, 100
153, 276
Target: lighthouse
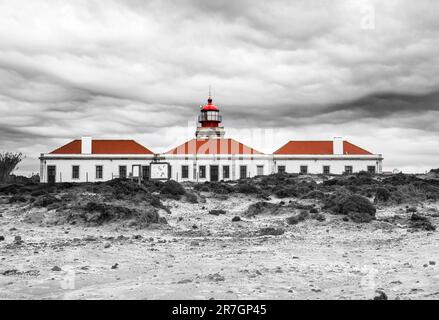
209, 121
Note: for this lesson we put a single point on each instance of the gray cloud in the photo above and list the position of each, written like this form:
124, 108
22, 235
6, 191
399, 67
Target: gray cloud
139, 69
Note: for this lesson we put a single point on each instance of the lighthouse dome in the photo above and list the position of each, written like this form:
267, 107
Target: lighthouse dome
209, 106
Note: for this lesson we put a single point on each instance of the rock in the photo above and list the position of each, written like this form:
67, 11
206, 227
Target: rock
17, 239
56, 268
318, 216
217, 212
236, 218
411, 210
381, 295
297, 218
115, 266
184, 281
270, 231
195, 243
2, 238
90, 238
137, 236
432, 263
216, 277
313, 210
107, 245
345, 219
194, 226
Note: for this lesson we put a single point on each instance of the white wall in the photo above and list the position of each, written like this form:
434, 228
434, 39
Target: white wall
337, 166
234, 167
87, 165
87, 168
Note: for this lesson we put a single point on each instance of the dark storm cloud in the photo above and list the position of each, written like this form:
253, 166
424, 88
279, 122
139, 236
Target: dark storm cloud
139, 69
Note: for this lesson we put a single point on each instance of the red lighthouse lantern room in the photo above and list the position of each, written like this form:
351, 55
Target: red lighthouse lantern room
209, 122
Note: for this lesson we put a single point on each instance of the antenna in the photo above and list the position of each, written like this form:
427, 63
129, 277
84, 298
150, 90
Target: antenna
209, 101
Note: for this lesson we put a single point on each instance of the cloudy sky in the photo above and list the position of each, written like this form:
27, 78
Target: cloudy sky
279, 71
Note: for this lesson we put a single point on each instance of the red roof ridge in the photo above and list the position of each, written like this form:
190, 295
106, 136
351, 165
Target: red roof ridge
222, 144
105, 146
322, 147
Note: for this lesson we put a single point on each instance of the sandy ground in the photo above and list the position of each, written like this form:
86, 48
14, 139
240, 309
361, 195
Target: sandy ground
201, 256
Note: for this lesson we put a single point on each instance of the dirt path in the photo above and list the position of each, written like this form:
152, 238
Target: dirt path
202, 256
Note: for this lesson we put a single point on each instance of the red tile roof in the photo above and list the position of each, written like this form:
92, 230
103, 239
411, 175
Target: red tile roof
213, 146
104, 147
318, 147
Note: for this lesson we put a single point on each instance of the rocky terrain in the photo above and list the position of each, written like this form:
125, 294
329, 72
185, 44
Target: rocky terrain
276, 237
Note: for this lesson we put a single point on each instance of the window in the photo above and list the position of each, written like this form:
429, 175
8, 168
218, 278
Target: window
326, 169
122, 172
303, 169
226, 172
99, 172
371, 169
184, 172
281, 169
260, 170
242, 172
75, 172
203, 172
348, 169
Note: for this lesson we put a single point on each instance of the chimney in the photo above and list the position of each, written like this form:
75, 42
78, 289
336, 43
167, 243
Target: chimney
86, 145
337, 145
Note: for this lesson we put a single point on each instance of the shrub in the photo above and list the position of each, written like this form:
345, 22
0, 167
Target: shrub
420, 222
382, 195
173, 189
358, 208
8, 163
191, 197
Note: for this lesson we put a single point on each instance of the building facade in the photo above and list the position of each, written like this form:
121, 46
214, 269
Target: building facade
208, 157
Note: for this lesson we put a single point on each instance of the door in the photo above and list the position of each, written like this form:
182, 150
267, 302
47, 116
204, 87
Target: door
145, 172
242, 172
122, 172
260, 170
214, 173
51, 174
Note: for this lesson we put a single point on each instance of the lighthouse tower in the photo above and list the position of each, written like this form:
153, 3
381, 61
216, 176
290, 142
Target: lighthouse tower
209, 122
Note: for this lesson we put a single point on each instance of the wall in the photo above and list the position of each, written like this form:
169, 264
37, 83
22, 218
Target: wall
270, 164
234, 163
110, 168
337, 166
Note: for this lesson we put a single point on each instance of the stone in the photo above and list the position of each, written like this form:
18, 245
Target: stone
380, 295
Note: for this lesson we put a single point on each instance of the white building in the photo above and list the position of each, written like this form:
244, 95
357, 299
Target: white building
208, 157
